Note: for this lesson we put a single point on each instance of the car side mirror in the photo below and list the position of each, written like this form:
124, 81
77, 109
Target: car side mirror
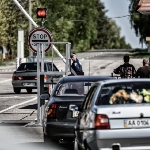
44, 96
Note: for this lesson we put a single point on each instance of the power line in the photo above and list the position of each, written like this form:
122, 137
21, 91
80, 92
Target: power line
98, 19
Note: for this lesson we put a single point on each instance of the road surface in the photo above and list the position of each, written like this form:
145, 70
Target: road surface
19, 111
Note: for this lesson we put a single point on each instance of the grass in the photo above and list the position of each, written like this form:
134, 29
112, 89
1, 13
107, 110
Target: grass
140, 53
6, 63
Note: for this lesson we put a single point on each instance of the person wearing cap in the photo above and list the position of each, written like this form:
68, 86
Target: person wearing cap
144, 72
76, 65
126, 70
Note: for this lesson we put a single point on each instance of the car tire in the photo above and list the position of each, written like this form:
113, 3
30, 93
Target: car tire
76, 145
17, 90
29, 91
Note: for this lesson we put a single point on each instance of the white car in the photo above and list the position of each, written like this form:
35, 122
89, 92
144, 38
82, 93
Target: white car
115, 116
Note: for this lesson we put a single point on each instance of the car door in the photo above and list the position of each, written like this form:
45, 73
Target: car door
83, 121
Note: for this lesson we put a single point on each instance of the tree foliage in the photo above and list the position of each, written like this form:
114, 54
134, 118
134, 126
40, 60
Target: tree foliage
139, 22
83, 23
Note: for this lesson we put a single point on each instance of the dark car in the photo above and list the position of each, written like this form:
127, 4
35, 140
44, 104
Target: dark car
25, 77
63, 106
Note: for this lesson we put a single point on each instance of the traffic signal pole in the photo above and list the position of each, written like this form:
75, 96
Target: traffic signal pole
35, 25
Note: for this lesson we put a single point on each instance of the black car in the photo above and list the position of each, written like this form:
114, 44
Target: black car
63, 106
25, 77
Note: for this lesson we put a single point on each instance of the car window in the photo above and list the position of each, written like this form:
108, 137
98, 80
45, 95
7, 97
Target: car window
50, 67
78, 88
125, 93
89, 98
29, 66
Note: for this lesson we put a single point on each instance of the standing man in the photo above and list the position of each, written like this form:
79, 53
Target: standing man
76, 65
126, 70
144, 72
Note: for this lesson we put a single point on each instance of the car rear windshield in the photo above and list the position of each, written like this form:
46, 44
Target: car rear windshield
73, 88
28, 66
124, 93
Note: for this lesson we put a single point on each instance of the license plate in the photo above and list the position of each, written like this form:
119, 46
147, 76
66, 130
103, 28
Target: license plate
28, 84
136, 123
75, 113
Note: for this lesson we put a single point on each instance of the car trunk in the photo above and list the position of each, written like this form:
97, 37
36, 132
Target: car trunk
127, 116
26, 75
68, 107
126, 121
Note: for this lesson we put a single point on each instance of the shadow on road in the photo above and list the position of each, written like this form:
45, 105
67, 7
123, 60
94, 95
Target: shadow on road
52, 145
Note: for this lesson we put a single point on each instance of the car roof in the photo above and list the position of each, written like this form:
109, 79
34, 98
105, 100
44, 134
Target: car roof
35, 62
83, 78
124, 80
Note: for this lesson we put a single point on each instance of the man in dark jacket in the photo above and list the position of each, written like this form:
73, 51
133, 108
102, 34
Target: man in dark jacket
144, 72
76, 65
126, 70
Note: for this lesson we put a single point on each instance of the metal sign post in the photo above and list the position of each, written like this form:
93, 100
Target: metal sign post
41, 40
38, 84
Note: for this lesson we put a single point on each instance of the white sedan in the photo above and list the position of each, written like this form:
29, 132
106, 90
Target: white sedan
115, 116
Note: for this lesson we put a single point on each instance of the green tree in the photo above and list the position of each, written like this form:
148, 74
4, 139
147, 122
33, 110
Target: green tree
108, 32
139, 22
73, 23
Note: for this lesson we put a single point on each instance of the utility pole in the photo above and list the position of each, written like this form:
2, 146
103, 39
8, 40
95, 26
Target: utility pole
30, 23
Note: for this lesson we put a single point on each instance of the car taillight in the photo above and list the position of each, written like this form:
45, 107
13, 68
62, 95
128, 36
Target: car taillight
51, 113
101, 122
17, 78
45, 78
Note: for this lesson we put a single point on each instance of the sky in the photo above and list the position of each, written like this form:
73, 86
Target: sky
117, 8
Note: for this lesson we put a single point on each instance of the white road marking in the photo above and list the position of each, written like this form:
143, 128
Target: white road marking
5, 81
16, 97
11, 107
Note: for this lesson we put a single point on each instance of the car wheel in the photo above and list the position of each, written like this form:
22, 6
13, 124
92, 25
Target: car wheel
76, 146
17, 90
29, 91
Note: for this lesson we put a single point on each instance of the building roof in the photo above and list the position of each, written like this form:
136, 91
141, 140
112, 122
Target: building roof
143, 6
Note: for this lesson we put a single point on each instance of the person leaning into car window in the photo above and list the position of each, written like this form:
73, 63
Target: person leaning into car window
126, 70
76, 65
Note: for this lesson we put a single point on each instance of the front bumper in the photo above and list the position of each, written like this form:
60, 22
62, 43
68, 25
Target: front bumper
59, 129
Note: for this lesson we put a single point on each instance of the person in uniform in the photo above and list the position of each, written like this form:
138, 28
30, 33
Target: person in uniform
144, 72
126, 70
76, 65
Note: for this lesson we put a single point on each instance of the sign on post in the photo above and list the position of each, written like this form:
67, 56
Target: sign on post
40, 36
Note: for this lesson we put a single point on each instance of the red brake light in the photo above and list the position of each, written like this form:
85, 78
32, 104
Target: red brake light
17, 78
51, 113
45, 78
101, 122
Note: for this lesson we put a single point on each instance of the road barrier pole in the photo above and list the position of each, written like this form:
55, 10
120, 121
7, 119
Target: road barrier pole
35, 25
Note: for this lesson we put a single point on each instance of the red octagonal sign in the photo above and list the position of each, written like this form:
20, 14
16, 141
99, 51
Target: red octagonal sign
39, 36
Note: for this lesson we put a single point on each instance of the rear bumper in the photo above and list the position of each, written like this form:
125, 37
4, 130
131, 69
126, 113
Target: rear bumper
129, 148
59, 129
19, 84
127, 139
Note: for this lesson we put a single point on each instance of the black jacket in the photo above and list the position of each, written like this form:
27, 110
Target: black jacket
76, 65
126, 70
143, 72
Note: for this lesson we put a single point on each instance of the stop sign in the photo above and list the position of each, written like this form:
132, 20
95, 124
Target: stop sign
39, 36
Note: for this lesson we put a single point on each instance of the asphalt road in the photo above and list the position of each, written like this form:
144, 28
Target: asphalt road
18, 111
